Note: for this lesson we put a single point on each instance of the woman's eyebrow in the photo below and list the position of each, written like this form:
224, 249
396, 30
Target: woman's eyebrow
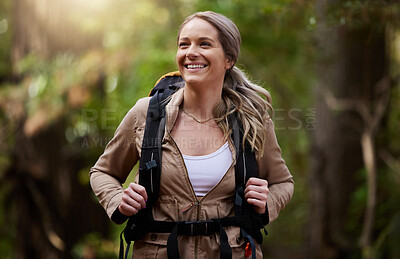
201, 38
206, 38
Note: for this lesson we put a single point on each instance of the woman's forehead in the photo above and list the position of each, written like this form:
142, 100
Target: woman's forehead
198, 28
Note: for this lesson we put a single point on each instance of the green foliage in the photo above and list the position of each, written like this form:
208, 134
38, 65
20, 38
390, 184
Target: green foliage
387, 229
93, 245
357, 14
5, 38
387, 223
6, 230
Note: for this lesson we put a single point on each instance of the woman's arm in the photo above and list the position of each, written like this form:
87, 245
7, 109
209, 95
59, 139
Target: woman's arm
117, 161
272, 168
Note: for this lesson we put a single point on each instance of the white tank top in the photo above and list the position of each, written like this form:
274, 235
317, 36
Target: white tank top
206, 171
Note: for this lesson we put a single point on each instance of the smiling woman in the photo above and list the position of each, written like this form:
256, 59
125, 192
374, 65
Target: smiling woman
201, 58
219, 191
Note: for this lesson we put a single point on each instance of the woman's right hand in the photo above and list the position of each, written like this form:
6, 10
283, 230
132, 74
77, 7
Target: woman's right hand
133, 200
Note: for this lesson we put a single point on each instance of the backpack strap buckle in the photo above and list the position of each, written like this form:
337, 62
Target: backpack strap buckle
196, 228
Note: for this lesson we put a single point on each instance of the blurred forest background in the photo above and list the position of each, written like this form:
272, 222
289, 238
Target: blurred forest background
70, 70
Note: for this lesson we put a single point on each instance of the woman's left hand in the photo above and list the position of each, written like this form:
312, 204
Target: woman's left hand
256, 194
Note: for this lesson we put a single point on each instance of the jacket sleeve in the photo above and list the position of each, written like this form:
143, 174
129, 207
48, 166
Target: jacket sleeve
117, 161
272, 167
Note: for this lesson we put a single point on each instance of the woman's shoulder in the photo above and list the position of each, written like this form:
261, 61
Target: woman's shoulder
137, 114
140, 107
139, 111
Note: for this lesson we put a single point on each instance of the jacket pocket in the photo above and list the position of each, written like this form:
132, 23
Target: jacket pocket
152, 245
166, 209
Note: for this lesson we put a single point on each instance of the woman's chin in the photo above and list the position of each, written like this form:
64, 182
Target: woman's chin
193, 80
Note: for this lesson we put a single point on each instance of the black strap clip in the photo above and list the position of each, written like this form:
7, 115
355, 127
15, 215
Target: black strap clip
150, 165
238, 196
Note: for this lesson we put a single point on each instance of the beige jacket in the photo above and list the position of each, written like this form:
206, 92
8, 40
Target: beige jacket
176, 192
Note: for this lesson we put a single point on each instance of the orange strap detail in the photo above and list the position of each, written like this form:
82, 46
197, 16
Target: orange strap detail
174, 73
247, 250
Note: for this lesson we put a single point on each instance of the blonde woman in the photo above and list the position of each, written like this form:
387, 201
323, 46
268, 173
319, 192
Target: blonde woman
199, 155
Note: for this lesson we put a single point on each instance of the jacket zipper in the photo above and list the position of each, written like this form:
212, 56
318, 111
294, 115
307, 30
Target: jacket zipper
197, 202
183, 162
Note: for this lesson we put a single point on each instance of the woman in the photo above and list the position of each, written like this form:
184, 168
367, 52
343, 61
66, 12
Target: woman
198, 178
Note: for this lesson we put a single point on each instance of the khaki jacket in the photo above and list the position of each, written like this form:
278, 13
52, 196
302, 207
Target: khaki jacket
177, 200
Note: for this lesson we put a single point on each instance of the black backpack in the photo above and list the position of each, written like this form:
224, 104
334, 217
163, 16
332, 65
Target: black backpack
143, 222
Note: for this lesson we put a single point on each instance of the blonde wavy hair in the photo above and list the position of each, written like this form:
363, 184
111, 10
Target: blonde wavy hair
239, 94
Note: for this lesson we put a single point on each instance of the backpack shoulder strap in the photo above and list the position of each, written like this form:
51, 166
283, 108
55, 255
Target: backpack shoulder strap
246, 163
245, 168
150, 159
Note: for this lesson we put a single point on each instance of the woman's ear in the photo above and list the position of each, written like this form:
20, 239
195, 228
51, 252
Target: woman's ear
228, 63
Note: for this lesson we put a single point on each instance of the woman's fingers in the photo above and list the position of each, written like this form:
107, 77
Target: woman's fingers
256, 193
259, 206
139, 189
133, 199
136, 193
127, 210
262, 196
257, 182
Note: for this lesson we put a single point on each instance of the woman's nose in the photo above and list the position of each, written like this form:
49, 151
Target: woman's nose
192, 52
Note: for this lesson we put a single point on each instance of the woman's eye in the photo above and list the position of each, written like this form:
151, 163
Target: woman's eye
183, 44
205, 44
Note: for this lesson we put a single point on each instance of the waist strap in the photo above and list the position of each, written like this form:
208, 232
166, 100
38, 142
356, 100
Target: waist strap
196, 228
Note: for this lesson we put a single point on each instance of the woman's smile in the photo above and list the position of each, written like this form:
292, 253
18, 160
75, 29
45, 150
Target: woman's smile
195, 66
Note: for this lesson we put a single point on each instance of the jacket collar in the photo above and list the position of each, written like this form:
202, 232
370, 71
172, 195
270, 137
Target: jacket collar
172, 108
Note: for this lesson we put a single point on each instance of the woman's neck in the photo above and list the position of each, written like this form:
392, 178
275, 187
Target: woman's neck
200, 102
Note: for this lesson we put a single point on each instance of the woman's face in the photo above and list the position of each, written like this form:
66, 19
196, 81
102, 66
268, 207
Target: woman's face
200, 56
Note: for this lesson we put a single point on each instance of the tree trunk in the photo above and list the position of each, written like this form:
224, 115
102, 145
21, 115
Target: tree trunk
352, 61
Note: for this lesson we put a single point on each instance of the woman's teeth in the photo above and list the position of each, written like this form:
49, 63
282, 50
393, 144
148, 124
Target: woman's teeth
195, 66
